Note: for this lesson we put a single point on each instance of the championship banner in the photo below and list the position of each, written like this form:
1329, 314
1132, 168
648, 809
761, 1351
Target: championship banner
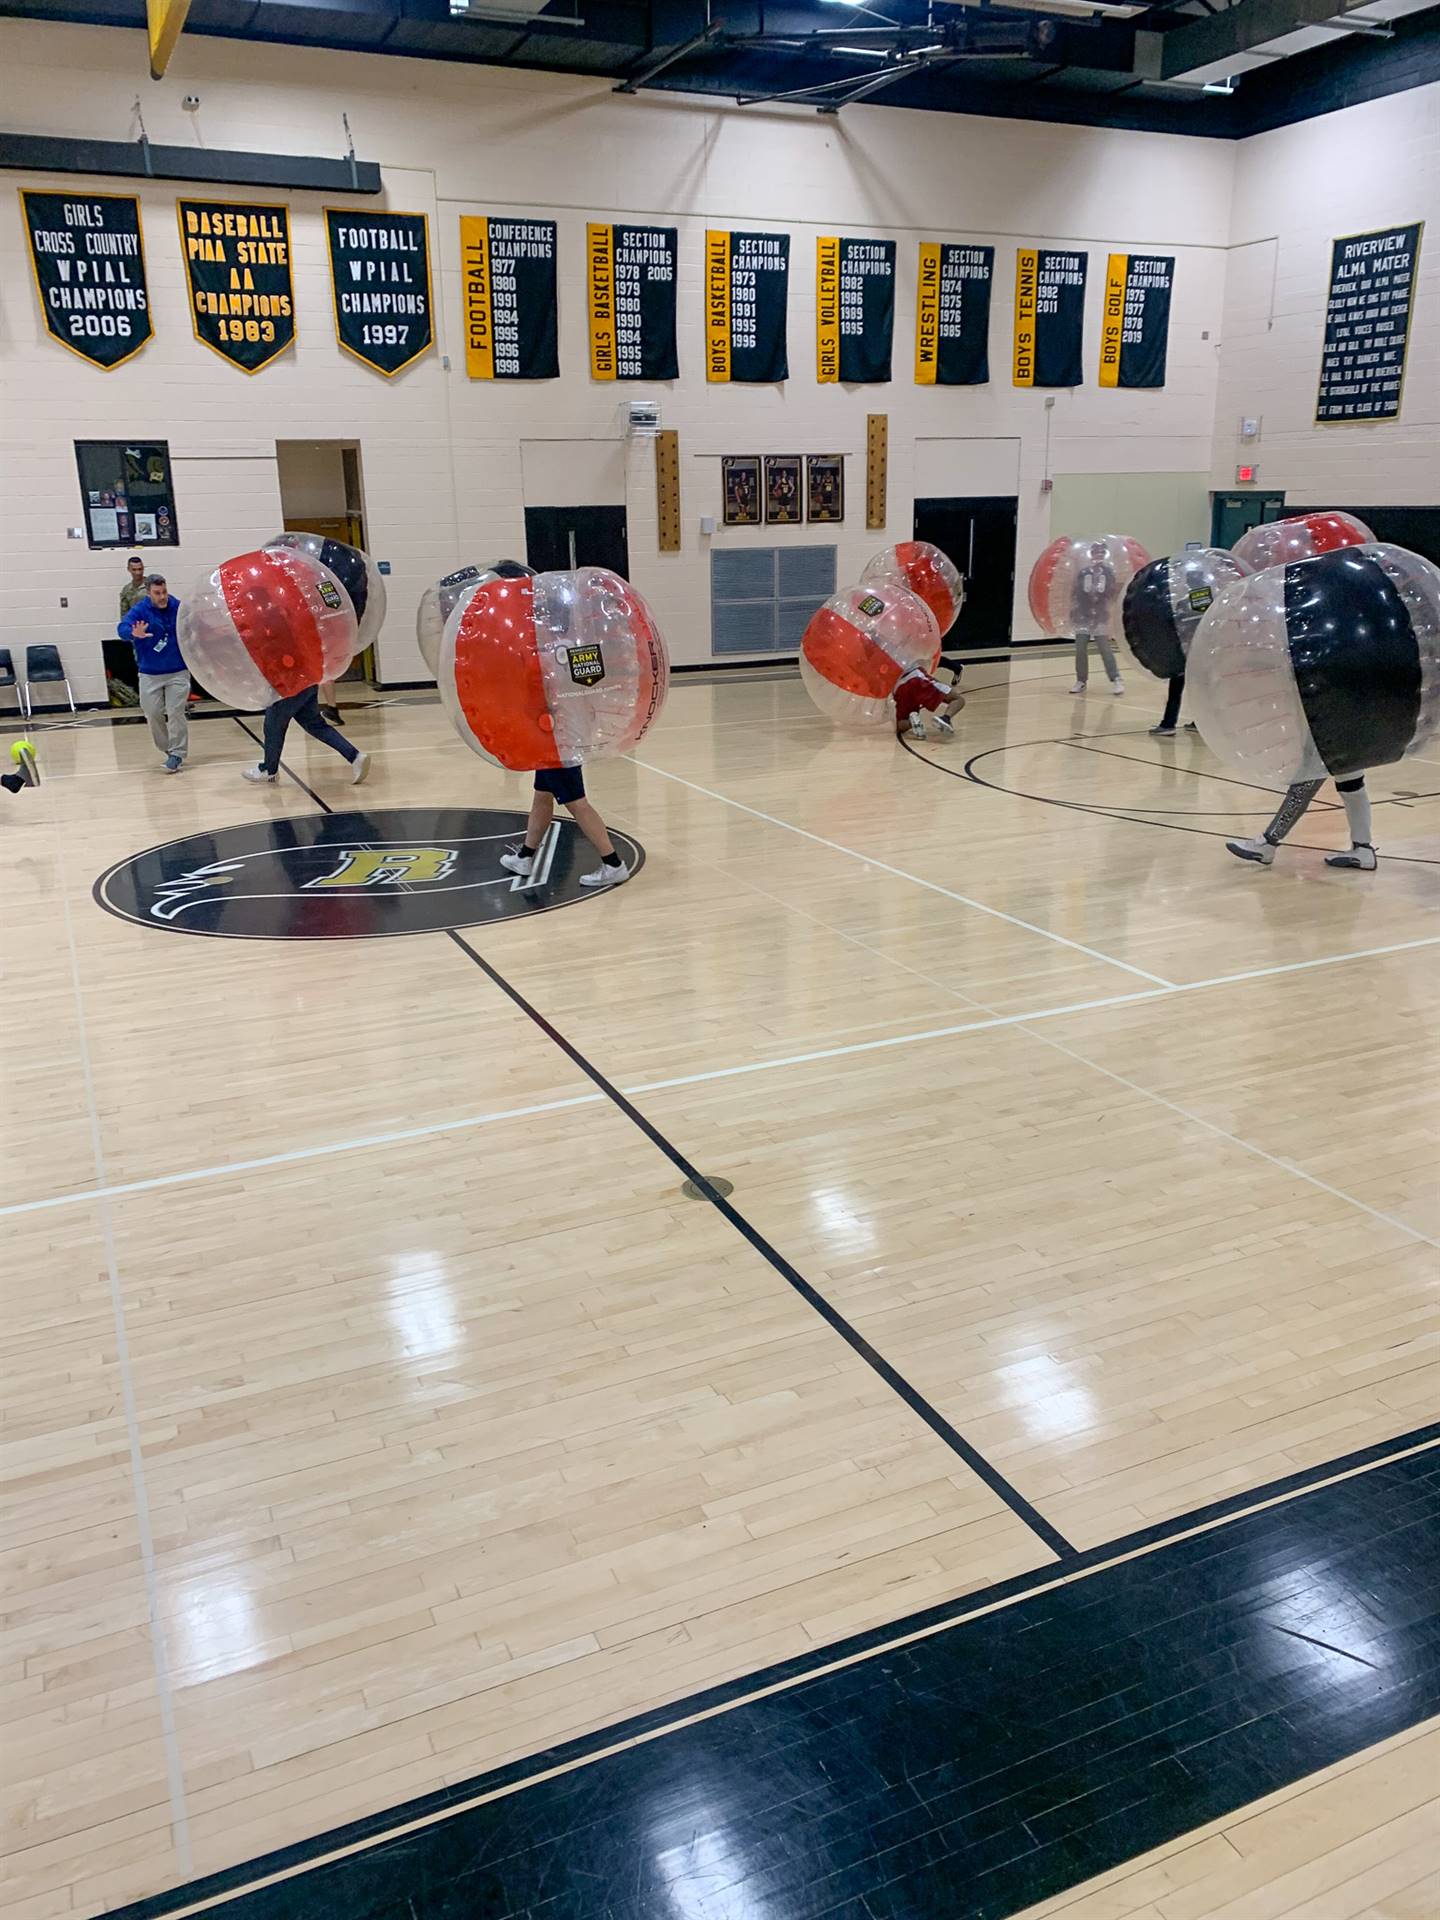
630, 276
854, 309
380, 286
1367, 324
1135, 327
952, 315
747, 280
88, 257
237, 267
507, 284
1049, 317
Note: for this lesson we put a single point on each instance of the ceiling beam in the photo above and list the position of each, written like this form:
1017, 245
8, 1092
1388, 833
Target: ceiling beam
1251, 24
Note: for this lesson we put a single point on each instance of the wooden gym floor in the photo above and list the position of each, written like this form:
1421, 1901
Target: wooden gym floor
379, 1412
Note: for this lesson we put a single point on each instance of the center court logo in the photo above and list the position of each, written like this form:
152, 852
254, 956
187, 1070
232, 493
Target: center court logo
351, 876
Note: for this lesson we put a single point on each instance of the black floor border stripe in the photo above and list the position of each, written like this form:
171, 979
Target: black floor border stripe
376, 1828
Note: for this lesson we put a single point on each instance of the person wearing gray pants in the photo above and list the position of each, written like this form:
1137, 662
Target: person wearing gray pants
150, 627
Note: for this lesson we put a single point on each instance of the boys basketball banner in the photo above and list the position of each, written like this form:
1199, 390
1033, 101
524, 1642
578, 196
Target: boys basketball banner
1135, 327
507, 283
1049, 317
237, 268
854, 309
88, 257
380, 285
747, 282
952, 315
630, 275
1367, 324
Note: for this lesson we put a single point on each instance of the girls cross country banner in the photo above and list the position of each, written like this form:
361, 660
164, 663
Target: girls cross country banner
854, 309
380, 286
1135, 327
88, 257
630, 276
1049, 317
747, 282
507, 283
237, 269
952, 315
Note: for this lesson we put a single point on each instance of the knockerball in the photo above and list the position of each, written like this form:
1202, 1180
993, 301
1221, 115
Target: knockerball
267, 625
437, 603
552, 669
1167, 600
858, 645
1077, 586
1279, 542
356, 572
924, 570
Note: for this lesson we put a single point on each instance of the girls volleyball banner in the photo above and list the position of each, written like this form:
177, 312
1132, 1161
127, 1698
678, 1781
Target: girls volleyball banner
1049, 317
507, 282
630, 276
87, 254
854, 309
1135, 325
237, 270
380, 286
952, 314
747, 284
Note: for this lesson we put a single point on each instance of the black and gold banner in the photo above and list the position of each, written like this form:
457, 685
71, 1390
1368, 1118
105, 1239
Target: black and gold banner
630, 277
88, 257
1367, 324
380, 285
507, 280
952, 314
1135, 325
237, 267
747, 280
1049, 317
854, 309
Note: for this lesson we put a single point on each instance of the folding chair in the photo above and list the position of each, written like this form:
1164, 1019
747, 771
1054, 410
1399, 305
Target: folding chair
43, 667
8, 679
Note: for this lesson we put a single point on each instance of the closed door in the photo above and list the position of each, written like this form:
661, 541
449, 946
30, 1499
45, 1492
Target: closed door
557, 538
1232, 514
979, 536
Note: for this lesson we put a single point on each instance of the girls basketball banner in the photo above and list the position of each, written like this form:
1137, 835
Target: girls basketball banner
1049, 317
237, 270
952, 314
507, 283
854, 309
87, 254
1135, 327
380, 286
630, 278
747, 283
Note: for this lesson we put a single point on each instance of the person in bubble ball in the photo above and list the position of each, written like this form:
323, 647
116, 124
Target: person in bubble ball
566, 786
1291, 811
1090, 610
918, 693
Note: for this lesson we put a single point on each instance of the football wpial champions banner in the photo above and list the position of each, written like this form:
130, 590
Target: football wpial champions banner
952, 314
1367, 324
747, 280
380, 285
237, 268
88, 257
854, 309
1135, 320
1049, 317
507, 279
630, 281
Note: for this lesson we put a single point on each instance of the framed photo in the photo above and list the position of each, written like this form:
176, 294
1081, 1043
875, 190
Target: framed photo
740, 478
825, 487
783, 506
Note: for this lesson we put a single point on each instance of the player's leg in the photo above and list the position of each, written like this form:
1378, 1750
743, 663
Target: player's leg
275, 725
1357, 813
1107, 660
1262, 849
152, 705
1082, 662
542, 812
1170, 719
612, 869
309, 716
177, 720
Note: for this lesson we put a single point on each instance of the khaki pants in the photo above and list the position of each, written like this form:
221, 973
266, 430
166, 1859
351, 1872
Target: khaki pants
162, 700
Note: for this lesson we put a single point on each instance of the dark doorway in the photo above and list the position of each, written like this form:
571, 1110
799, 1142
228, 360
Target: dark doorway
1417, 528
979, 536
557, 538
1232, 514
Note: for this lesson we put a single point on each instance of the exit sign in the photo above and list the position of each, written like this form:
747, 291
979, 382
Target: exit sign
1246, 476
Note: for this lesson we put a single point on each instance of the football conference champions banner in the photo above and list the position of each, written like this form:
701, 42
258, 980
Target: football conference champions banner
952, 315
507, 281
380, 285
1049, 317
1367, 324
747, 281
88, 257
854, 309
1135, 323
237, 268
630, 278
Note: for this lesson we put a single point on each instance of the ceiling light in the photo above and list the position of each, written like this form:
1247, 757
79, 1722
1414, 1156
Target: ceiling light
1228, 85
867, 53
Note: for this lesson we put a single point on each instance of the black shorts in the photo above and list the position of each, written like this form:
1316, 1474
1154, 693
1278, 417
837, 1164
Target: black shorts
561, 783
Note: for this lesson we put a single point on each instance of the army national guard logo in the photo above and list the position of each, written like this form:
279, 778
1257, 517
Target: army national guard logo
352, 876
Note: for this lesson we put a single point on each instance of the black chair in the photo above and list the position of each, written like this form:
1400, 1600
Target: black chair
7, 677
43, 667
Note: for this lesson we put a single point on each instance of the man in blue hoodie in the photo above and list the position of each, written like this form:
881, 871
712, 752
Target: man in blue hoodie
149, 626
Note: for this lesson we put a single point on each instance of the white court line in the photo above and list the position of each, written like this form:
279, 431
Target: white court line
932, 886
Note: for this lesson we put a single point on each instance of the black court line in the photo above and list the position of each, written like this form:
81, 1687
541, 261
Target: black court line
1204, 773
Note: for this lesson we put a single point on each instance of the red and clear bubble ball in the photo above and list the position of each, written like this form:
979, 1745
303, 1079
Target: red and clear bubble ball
1078, 585
924, 570
858, 645
266, 625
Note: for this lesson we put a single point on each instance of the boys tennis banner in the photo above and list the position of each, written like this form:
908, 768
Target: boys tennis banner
630, 276
507, 281
237, 269
380, 286
747, 280
1135, 327
854, 309
1049, 317
952, 314
87, 254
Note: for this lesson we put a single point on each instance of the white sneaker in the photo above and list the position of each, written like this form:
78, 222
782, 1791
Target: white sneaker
1117, 686
359, 767
1260, 850
1362, 858
1079, 687
517, 861
917, 727
604, 876
259, 773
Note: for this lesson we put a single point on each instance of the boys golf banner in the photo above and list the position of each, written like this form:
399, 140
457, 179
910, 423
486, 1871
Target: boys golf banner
854, 309
380, 286
507, 281
747, 281
87, 254
1135, 323
1049, 317
630, 286
237, 269
952, 314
